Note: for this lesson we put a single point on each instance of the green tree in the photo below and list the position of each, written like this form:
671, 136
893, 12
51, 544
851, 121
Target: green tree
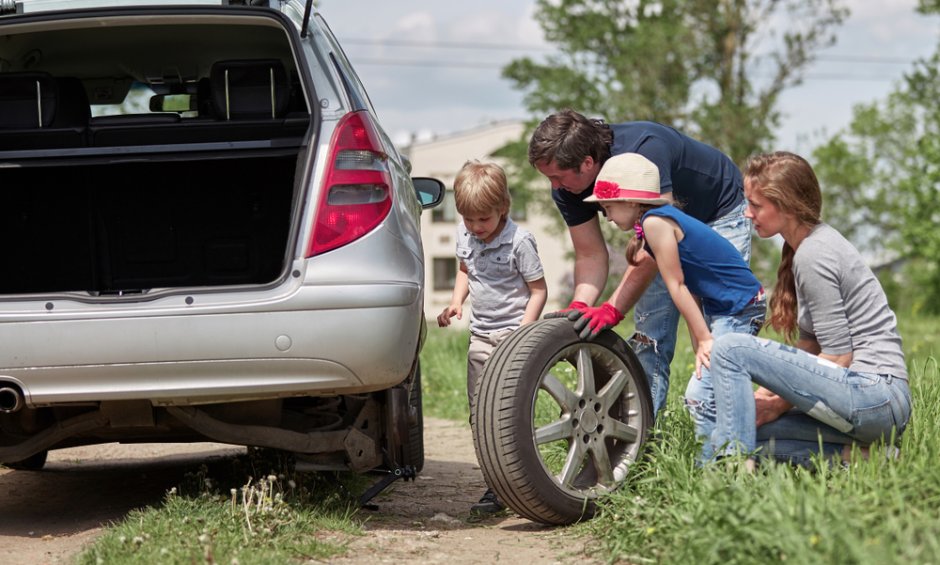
929, 6
881, 180
712, 68
694, 64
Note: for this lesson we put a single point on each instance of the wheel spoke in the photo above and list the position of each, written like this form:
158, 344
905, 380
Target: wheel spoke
556, 431
601, 458
622, 431
586, 385
572, 465
565, 397
610, 394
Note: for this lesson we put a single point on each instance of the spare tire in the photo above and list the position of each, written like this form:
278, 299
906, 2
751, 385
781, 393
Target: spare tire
558, 421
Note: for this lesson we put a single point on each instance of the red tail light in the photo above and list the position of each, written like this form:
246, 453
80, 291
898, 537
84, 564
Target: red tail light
356, 192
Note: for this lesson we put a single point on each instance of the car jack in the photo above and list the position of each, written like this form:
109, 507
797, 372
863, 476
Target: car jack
406, 473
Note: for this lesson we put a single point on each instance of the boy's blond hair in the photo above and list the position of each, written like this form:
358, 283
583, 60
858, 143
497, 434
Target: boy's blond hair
480, 188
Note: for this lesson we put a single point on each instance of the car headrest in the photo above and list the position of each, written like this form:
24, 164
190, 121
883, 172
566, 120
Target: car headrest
27, 100
249, 89
72, 108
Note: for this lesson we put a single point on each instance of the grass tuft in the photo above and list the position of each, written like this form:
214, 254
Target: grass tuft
230, 516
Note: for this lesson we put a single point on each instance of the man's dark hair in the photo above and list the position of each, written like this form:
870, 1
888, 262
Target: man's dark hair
567, 138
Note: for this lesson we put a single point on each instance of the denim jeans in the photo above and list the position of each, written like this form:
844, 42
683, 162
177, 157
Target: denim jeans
656, 317
699, 394
805, 436
832, 404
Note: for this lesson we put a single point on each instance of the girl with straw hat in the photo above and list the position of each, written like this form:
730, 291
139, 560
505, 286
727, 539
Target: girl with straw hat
708, 280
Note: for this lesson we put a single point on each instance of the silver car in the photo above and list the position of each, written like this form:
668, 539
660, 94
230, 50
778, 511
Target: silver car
208, 237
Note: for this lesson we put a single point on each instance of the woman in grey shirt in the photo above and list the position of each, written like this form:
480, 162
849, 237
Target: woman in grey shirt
845, 381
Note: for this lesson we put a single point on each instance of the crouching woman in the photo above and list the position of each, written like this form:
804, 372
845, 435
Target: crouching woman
845, 382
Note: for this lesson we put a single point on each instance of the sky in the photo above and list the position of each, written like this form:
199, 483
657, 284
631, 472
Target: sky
450, 81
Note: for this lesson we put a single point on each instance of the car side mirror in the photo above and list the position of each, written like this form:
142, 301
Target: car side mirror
430, 191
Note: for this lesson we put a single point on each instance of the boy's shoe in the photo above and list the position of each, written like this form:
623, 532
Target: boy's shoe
488, 504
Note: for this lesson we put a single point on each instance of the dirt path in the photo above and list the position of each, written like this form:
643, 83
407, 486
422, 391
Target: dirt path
46, 517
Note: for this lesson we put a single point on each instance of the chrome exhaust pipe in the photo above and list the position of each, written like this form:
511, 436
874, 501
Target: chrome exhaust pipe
11, 399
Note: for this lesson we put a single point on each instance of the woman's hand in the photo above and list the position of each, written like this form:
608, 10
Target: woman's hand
770, 406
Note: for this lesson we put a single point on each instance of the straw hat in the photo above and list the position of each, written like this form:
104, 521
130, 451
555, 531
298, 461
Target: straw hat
628, 177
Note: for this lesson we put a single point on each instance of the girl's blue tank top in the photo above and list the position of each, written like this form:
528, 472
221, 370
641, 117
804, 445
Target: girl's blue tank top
713, 268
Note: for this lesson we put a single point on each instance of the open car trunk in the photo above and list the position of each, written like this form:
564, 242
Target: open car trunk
146, 149
133, 227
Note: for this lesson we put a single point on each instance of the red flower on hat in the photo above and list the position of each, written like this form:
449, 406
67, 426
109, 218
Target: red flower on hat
606, 189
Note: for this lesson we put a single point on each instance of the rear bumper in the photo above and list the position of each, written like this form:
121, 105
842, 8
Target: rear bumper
313, 342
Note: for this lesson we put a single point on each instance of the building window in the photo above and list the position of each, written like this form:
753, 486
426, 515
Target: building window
445, 273
446, 212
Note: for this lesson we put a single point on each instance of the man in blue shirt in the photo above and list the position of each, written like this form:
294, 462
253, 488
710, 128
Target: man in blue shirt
570, 149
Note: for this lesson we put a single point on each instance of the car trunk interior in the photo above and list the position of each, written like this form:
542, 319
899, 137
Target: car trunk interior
106, 195
128, 227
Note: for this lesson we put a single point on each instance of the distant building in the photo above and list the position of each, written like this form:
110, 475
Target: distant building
442, 158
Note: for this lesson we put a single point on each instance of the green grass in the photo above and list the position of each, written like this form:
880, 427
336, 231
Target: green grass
226, 516
875, 511
444, 374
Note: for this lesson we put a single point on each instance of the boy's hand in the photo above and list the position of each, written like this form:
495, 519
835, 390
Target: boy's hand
572, 312
595, 320
443, 319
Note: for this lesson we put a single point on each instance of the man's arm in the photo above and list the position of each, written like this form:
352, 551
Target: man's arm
634, 283
592, 321
590, 261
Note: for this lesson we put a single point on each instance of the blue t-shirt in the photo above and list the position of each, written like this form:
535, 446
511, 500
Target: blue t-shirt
703, 180
713, 269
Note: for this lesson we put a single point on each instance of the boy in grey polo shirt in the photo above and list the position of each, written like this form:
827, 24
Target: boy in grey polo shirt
500, 271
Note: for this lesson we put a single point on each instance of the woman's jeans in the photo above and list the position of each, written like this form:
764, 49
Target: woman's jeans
699, 396
833, 406
656, 317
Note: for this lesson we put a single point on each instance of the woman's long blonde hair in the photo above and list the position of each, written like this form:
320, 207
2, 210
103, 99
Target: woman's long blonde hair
788, 182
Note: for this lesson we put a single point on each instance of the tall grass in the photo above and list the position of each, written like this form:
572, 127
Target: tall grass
444, 374
874, 511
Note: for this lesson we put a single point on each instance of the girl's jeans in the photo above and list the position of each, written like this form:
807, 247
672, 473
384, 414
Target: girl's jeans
656, 317
832, 405
699, 396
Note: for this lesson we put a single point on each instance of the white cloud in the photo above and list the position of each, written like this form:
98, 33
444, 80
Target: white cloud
528, 31
417, 26
889, 23
489, 26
